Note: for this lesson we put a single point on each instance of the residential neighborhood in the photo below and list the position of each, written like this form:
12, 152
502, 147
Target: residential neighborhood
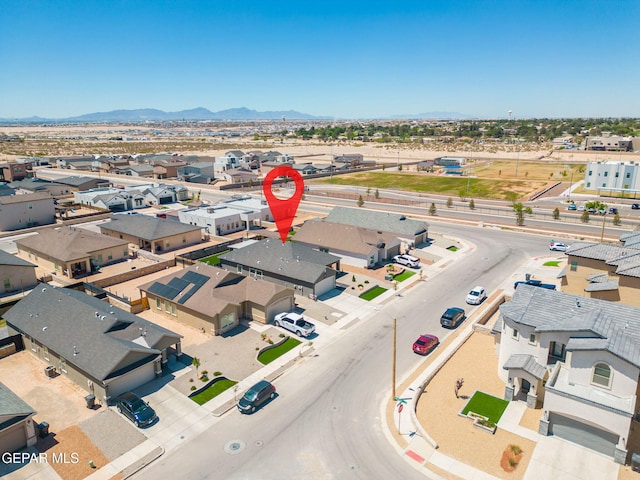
151, 280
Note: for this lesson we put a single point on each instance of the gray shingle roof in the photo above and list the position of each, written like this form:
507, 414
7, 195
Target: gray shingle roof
602, 286
11, 404
527, 363
27, 197
146, 227
291, 259
626, 258
380, 221
96, 337
8, 259
553, 311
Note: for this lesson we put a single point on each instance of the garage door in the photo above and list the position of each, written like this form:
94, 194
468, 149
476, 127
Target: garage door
132, 380
588, 436
13, 438
165, 200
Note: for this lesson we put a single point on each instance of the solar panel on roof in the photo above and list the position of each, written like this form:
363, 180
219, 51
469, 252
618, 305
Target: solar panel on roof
164, 290
188, 295
178, 283
196, 278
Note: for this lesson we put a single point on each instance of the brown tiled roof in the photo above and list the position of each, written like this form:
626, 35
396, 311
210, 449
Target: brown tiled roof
336, 236
68, 243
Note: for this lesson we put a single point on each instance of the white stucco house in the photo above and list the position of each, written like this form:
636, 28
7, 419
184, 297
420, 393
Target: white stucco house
579, 359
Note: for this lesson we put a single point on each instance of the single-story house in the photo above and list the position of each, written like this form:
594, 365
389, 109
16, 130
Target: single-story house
161, 194
579, 359
16, 274
136, 171
27, 210
78, 183
34, 185
357, 246
114, 199
297, 266
409, 231
150, 233
215, 300
17, 429
103, 349
219, 219
71, 251
239, 176
304, 168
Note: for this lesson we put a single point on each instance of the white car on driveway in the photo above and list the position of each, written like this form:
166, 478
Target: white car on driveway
476, 296
407, 260
294, 323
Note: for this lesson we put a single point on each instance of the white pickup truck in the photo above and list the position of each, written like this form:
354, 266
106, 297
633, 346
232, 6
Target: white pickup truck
294, 323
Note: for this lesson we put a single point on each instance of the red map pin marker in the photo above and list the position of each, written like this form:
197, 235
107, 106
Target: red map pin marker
283, 211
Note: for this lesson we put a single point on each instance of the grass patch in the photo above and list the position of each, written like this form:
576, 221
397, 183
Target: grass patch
270, 355
552, 263
213, 259
213, 391
478, 187
404, 275
486, 405
373, 293
452, 248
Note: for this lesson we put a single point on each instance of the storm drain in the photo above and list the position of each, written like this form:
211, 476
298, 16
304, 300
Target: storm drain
234, 446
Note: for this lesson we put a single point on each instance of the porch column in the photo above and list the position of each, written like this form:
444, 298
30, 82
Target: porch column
178, 349
620, 453
508, 393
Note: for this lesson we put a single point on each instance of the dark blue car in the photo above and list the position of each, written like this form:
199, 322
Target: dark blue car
136, 409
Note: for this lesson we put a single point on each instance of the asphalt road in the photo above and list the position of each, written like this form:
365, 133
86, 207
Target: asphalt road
325, 423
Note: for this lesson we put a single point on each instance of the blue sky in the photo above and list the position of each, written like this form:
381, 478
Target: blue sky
346, 59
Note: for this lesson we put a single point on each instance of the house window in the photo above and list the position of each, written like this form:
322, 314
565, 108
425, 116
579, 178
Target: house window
125, 252
45, 353
30, 205
628, 175
532, 339
514, 334
601, 375
56, 265
184, 240
590, 172
606, 174
239, 268
617, 174
556, 350
158, 304
110, 256
120, 237
574, 266
588, 184
167, 307
7, 283
63, 365
173, 309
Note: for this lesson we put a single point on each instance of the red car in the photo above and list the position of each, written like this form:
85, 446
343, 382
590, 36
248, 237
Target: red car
425, 344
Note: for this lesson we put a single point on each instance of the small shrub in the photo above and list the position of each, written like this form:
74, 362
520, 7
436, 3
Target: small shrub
366, 281
353, 278
217, 374
257, 348
512, 462
191, 379
515, 449
281, 335
270, 342
204, 378
204, 373
193, 387
263, 336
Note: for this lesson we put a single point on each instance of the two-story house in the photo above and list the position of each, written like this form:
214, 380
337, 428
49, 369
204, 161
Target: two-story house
579, 359
24, 211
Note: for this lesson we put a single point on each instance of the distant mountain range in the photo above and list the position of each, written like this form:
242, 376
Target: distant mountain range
151, 114
243, 113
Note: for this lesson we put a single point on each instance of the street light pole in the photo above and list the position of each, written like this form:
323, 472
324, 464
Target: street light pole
604, 217
570, 185
393, 368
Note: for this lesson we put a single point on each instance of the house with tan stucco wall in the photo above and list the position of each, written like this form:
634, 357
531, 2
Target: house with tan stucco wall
215, 300
16, 274
604, 270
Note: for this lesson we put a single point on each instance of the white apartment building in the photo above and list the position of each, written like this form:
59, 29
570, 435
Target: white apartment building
612, 175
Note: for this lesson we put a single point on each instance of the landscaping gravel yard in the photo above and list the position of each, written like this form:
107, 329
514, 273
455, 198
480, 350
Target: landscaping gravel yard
112, 433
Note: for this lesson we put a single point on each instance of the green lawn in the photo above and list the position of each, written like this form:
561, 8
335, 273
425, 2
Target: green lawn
214, 259
213, 391
270, 355
373, 293
478, 187
404, 275
452, 248
486, 405
552, 263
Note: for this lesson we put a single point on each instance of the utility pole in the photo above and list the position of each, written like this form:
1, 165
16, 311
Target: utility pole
393, 369
604, 217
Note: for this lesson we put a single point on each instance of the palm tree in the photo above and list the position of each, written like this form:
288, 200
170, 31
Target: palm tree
196, 363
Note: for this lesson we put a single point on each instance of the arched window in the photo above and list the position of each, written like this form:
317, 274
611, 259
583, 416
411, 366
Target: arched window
601, 375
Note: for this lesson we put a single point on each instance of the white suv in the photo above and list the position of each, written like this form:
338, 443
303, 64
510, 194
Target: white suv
407, 260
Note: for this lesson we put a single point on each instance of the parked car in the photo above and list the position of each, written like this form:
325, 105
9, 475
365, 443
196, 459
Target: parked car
476, 296
613, 210
135, 409
425, 343
581, 208
558, 247
256, 396
602, 211
592, 210
295, 323
407, 260
572, 206
635, 206
452, 317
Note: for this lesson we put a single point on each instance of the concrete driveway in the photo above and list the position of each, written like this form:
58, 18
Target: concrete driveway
557, 458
